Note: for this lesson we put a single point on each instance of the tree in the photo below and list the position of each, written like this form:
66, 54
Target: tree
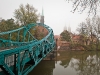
65, 36
82, 29
81, 5
96, 29
92, 29
26, 14
7, 25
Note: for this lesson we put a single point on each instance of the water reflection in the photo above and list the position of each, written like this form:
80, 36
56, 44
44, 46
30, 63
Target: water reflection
89, 66
43, 68
83, 63
70, 63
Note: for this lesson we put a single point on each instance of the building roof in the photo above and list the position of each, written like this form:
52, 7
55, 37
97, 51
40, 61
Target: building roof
76, 37
56, 36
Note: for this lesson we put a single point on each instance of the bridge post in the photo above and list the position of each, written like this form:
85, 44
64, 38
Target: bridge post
15, 71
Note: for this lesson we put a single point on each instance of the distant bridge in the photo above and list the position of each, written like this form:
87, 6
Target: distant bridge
20, 51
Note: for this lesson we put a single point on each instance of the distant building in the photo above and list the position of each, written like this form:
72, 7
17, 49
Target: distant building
57, 39
65, 27
68, 29
42, 17
75, 38
42, 32
61, 44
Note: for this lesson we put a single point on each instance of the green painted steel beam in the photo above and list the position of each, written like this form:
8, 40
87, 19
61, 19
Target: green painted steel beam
24, 52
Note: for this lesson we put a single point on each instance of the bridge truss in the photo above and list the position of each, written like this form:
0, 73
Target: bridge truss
20, 51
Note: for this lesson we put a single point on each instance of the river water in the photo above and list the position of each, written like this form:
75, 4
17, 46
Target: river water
70, 63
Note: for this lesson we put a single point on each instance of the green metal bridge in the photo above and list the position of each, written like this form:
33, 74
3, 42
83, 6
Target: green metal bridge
20, 55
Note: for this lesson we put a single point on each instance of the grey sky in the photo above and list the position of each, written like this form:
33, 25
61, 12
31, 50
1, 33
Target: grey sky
57, 12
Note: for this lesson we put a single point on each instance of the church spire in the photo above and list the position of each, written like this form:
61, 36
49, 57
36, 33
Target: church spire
69, 28
65, 28
42, 17
42, 12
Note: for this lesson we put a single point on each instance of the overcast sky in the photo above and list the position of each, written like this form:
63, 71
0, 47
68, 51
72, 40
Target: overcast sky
57, 13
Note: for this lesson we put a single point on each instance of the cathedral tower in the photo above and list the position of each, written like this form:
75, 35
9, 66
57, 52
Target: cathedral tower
42, 17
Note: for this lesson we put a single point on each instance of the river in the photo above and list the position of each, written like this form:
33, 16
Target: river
70, 63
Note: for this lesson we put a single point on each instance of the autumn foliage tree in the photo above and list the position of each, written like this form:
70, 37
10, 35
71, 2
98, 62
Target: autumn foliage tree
26, 14
7, 25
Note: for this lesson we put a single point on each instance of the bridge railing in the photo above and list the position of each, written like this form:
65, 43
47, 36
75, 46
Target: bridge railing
17, 37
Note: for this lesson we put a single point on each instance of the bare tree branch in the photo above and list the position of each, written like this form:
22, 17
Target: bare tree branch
82, 5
